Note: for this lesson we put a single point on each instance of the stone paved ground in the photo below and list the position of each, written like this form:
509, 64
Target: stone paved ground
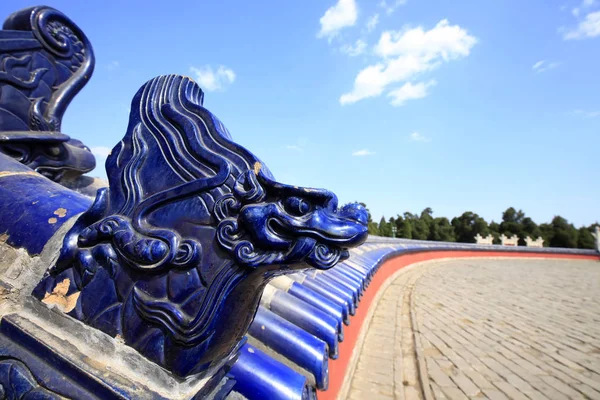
485, 328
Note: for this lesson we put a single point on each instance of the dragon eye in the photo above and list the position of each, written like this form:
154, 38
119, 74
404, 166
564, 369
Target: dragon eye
296, 206
53, 151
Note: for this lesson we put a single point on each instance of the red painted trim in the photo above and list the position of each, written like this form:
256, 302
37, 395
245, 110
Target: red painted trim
338, 368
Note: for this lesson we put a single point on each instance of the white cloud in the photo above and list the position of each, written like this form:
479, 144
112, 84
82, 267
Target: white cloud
390, 5
363, 152
405, 54
588, 28
538, 64
113, 65
293, 147
544, 65
443, 41
354, 50
587, 114
101, 151
211, 80
374, 79
372, 23
417, 137
299, 145
410, 91
584, 5
342, 15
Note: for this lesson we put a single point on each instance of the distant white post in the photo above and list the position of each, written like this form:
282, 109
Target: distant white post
509, 241
539, 242
597, 236
484, 240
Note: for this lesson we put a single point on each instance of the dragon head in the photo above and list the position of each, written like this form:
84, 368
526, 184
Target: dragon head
174, 255
52, 154
266, 222
45, 60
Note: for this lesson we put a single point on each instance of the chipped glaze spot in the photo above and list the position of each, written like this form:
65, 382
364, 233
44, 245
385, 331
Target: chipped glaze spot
60, 298
61, 212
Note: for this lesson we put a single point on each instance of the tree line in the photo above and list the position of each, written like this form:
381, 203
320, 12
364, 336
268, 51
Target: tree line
424, 226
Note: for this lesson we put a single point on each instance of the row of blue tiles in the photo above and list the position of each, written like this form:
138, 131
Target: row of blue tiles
302, 317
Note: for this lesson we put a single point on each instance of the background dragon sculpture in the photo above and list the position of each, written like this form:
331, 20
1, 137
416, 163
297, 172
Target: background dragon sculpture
45, 60
173, 256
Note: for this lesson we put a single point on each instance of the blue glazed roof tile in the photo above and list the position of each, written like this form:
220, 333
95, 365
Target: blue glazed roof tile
335, 293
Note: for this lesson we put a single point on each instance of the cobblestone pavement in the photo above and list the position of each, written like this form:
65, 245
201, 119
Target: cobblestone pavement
485, 328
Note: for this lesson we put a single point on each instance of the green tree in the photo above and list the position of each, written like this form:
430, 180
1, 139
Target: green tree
530, 228
428, 221
392, 223
404, 228
547, 232
427, 214
420, 224
563, 233
384, 228
441, 230
516, 223
585, 240
468, 225
373, 228
424, 226
494, 228
512, 215
409, 216
512, 223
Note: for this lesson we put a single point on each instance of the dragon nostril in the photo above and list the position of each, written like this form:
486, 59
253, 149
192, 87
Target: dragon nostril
356, 212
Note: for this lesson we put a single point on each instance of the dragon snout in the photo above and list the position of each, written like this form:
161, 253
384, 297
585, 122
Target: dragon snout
355, 212
80, 158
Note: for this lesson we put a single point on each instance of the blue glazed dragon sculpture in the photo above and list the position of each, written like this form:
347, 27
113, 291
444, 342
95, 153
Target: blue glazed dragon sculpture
173, 256
45, 60
17, 382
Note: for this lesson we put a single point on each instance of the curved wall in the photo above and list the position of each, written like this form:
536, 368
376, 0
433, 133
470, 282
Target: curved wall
390, 265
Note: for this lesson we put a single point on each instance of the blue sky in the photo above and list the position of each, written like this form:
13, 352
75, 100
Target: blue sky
462, 105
